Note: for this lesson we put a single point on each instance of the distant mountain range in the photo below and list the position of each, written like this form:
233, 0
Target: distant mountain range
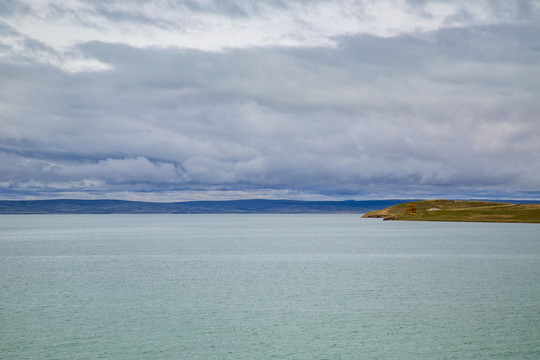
68, 206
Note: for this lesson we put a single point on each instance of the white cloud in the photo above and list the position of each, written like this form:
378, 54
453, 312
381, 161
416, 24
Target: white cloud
19, 48
63, 25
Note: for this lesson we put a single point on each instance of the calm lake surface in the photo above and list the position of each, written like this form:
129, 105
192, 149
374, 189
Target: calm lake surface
266, 287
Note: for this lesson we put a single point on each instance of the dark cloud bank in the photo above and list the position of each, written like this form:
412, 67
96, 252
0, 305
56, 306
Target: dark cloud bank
449, 112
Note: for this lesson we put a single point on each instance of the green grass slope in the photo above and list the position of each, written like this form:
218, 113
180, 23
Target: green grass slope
470, 211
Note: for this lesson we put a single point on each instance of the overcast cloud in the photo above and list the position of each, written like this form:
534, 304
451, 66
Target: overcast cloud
220, 99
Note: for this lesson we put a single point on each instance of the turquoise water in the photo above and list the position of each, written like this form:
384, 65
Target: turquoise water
266, 287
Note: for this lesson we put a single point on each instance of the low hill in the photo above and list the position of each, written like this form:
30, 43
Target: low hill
470, 211
71, 206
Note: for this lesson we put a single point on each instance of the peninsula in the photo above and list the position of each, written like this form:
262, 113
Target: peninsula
469, 211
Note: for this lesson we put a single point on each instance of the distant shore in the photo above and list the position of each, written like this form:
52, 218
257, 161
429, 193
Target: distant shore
388, 209
251, 206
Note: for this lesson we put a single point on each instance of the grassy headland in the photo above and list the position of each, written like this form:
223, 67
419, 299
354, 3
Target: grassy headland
470, 211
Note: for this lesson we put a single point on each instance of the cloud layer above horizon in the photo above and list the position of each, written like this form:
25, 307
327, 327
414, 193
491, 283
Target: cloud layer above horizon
218, 99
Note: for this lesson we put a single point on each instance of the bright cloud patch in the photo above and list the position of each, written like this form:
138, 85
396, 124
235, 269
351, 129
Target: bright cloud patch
217, 25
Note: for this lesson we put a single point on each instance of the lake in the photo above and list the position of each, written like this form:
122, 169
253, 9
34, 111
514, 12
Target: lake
266, 287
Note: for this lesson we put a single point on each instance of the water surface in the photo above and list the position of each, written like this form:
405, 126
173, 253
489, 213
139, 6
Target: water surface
266, 287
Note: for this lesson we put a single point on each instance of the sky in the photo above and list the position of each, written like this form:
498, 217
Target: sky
175, 100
